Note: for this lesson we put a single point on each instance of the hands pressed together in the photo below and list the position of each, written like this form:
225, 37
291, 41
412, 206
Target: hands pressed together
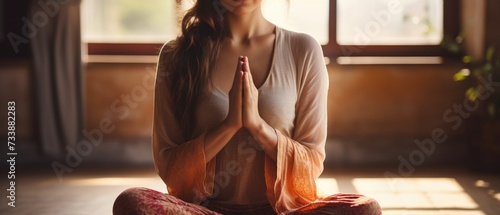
243, 100
243, 112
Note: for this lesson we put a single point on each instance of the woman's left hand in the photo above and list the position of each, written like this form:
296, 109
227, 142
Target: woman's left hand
251, 117
264, 134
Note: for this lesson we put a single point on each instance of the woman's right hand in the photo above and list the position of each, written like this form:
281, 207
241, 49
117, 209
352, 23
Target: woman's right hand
217, 138
234, 118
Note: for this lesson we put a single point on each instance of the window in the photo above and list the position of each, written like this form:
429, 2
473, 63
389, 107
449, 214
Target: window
389, 22
311, 17
127, 27
131, 20
391, 27
121, 21
343, 27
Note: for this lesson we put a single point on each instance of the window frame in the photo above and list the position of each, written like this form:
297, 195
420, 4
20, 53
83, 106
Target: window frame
123, 48
450, 24
332, 49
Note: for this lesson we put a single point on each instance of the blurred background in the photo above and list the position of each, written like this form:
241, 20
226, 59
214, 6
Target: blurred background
413, 105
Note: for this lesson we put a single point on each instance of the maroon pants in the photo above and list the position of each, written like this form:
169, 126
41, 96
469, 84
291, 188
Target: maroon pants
135, 201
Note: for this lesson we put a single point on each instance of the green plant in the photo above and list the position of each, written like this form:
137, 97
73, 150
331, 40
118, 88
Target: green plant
476, 71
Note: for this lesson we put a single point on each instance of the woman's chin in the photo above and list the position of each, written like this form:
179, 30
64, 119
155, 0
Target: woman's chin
240, 7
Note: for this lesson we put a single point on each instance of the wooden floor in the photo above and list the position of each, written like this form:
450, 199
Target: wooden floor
92, 190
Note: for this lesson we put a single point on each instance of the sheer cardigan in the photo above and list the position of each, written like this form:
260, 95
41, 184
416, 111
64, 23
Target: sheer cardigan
293, 100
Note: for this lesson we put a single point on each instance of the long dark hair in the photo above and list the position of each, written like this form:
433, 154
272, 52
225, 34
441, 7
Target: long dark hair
193, 54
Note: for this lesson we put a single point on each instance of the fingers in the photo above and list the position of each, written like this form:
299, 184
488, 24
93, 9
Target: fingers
246, 65
245, 82
246, 68
246, 85
240, 80
238, 76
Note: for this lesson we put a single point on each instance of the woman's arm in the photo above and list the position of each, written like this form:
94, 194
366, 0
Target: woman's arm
262, 132
293, 163
216, 139
187, 166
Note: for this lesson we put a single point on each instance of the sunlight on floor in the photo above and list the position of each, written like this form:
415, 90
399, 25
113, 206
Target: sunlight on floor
326, 186
397, 196
424, 196
497, 196
113, 181
432, 212
150, 182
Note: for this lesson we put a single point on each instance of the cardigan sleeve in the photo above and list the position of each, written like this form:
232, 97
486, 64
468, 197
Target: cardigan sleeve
291, 179
180, 163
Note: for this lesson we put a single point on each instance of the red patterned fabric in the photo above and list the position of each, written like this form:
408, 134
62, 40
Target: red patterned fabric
135, 201
140, 201
341, 204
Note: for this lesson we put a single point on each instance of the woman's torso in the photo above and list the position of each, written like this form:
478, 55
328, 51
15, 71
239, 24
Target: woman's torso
239, 174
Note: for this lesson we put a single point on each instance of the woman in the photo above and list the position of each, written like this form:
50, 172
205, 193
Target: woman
240, 120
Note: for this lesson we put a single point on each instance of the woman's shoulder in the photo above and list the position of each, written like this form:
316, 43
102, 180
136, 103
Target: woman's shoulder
166, 50
303, 48
164, 59
299, 41
165, 54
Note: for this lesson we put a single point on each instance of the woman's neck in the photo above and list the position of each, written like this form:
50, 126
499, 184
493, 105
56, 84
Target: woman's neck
244, 27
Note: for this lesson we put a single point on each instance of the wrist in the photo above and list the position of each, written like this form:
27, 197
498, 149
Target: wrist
266, 137
257, 128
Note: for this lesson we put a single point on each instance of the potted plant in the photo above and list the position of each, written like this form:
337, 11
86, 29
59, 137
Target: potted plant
482, 77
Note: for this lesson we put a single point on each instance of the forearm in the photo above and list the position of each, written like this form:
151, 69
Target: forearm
266, 137
217, 138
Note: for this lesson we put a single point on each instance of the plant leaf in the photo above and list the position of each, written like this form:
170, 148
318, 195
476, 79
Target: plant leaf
471, 94
458, 77
461, 75
467, 59
489, 54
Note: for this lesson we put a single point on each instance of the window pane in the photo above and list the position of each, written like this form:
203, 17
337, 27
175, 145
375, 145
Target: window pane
300, 15
135, 21
296, 15
389, 22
